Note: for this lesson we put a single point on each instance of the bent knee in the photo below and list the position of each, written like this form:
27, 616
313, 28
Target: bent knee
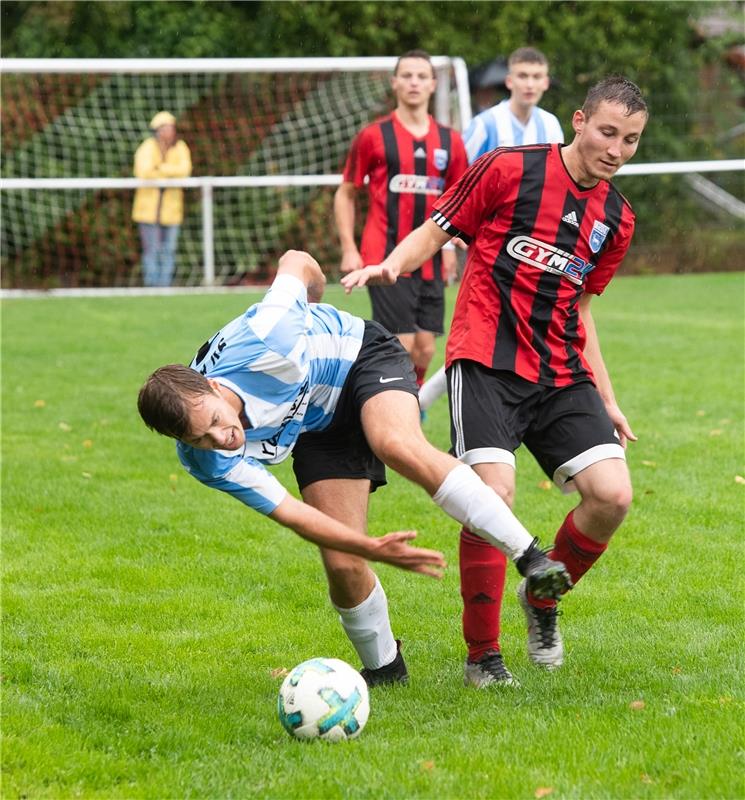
612, 501
507, 493
345, 569
423, 355
397, 448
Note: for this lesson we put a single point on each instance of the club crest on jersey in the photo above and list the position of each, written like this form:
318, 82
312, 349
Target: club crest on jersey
440, 157
416, 184
549, 258
597, 235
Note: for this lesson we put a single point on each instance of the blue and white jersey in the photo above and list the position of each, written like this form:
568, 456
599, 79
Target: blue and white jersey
499, 127
286, 360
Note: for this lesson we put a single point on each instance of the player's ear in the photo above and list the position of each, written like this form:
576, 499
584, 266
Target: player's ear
508, 82
578, 120
214, 385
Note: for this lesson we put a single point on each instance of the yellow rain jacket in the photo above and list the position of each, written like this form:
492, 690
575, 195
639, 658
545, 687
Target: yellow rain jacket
154, 205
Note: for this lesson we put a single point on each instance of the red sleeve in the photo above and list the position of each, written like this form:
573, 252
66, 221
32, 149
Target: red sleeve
458, 160
473, 198
356, 167
611, 258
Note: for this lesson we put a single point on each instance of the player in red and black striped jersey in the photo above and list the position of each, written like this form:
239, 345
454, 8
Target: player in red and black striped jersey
547, 231
409, 160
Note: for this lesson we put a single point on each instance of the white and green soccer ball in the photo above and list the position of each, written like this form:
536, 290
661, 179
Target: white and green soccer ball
323, 698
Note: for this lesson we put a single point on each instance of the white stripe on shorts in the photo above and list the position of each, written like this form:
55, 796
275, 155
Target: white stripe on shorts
456, 402
563, 475
488, 455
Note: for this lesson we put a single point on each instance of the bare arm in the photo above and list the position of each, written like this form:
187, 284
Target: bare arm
317, 527
420, 245
344, 214
602, 378
306, 269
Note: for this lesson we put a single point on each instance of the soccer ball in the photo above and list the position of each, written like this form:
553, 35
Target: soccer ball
323, 698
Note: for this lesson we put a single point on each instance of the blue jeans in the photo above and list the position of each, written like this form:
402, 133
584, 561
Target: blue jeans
158, 253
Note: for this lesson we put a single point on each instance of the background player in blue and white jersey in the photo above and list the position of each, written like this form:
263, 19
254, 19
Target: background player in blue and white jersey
339, 393
513, 122
517, 120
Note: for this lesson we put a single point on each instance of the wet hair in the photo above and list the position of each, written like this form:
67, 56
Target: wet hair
527, 55
423, 54
167, 397
615, 89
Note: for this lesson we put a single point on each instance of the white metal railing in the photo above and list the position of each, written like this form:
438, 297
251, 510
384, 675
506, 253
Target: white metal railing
207, 184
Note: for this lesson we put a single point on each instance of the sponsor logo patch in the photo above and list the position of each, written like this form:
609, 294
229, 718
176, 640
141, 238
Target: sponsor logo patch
416, 184
549, 258
597, 235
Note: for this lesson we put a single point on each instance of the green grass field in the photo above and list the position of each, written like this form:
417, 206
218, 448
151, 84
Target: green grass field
144, 615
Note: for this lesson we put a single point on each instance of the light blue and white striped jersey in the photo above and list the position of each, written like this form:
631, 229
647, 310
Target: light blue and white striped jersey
287, 361
499, 127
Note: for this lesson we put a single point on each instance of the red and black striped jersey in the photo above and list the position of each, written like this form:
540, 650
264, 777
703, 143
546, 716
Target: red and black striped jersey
406, 175
538, 241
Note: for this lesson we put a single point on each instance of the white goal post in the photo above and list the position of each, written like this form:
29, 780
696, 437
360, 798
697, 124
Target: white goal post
268, 138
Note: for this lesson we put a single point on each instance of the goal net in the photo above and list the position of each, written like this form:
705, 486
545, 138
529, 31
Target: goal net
268, 139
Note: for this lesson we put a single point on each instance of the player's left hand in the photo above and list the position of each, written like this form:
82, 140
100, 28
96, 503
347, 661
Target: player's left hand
621, 424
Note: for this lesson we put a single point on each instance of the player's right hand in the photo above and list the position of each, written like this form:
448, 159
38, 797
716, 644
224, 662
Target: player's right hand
350, 260
377, 275
393, 549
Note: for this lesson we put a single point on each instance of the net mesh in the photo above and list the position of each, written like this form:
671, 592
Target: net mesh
235, 124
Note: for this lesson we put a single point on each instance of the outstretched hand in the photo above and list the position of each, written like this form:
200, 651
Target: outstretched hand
621, 424
393, 549
369, 276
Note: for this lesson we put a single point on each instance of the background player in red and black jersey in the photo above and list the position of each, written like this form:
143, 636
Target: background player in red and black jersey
409, 160
547, 232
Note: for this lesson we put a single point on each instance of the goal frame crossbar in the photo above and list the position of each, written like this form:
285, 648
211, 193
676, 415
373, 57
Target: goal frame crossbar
151, 66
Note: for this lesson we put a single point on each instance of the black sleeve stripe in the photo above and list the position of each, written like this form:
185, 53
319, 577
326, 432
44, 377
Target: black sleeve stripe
440, 219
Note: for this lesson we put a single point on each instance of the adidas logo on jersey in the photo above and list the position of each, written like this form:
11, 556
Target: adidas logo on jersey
570, 219
420, 152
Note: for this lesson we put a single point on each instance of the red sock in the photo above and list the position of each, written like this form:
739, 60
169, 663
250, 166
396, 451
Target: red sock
482, 576
575, 550
420, 373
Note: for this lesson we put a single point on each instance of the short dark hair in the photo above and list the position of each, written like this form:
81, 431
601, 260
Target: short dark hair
167, 397
423, 54
527, 55
615, 89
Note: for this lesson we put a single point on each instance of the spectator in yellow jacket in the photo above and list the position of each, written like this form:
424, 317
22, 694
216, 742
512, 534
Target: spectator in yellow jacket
160, 212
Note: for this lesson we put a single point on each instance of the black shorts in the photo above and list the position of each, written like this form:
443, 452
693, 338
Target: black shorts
410, 305
341, 450
493, 412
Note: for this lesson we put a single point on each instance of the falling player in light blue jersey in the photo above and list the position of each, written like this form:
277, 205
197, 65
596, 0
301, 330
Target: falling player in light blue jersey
339, 393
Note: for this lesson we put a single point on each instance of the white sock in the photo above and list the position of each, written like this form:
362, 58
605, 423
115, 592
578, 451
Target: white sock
369, 629
467, 499
433, 388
